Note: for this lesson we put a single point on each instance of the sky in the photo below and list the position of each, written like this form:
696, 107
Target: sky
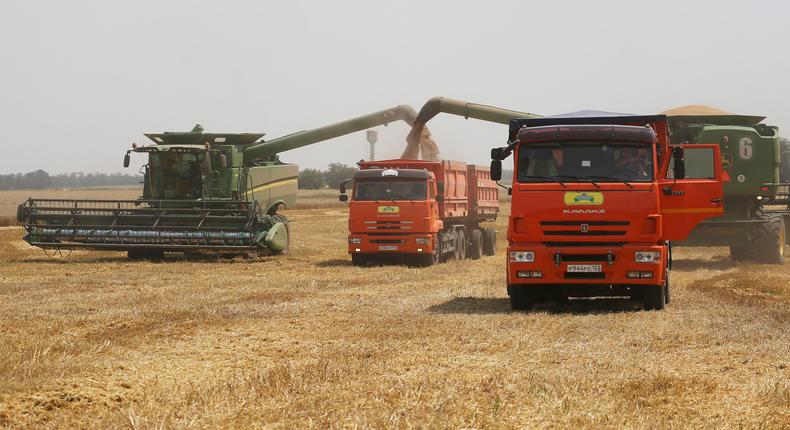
81, 80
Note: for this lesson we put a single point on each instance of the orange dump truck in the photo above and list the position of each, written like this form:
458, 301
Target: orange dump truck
596, 201
421, 212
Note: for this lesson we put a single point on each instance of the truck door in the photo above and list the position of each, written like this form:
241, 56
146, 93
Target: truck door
698, 196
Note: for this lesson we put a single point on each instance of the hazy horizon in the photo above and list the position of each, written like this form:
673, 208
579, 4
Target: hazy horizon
83, 80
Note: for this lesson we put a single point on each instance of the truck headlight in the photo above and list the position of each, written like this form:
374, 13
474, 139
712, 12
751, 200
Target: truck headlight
522, 256
647, 256
355, 240
422, 240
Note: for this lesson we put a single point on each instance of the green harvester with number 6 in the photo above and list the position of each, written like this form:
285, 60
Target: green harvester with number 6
756, 203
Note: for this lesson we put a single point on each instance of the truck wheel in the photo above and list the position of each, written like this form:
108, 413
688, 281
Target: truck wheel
521, 299
739, 253
425, 261
359, 260
667, 287
476, 247
653, 297
770, 240
489, 241
428, 260
460, 245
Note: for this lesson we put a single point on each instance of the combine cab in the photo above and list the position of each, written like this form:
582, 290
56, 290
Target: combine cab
203, 193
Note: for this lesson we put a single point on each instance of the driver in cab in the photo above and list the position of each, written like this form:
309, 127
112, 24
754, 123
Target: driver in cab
630, 165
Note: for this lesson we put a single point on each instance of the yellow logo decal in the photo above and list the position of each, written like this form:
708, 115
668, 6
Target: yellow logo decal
583, 198
389, 209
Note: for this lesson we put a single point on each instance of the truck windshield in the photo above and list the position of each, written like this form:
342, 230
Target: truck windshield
175, 175
394, 189
585, 162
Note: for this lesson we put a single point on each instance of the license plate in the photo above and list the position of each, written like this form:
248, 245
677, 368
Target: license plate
585, 268
388, 248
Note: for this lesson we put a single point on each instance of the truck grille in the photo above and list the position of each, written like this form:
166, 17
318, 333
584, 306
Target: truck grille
389, 225
584, 228
387, 241
577, 244
576, 258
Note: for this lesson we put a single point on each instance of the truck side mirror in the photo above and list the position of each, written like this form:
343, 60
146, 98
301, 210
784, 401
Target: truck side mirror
679, 167
126, 159
223, 160
343, 197
496, 170
497, 153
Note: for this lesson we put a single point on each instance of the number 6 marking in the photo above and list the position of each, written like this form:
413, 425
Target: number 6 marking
745, 148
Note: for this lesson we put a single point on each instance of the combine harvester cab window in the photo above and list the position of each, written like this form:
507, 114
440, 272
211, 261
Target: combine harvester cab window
581, 161
176, 175
396, 189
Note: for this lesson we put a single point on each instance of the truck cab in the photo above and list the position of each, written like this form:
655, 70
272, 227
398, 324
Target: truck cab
420, 212
393, 211
595, 202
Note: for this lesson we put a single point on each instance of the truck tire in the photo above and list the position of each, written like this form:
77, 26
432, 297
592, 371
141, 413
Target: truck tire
460, 245
770, 240
521, 299
359, 260
476, 245
489, 241
653, 297
667, 287
739, 253
427, 260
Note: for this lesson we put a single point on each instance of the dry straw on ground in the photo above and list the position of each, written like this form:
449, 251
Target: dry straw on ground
306, 340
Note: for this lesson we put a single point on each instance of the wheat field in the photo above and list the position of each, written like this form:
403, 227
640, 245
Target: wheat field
305, 340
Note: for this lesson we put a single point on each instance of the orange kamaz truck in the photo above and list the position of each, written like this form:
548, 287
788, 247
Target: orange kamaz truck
596, 200
420, 212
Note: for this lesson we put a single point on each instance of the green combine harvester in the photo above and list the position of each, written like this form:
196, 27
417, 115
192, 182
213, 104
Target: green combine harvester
203, 193
756, 202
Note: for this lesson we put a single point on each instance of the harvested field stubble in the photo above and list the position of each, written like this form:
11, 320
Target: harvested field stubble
307, 340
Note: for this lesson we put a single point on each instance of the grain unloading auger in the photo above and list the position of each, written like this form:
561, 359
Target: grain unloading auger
203, 193
419, 138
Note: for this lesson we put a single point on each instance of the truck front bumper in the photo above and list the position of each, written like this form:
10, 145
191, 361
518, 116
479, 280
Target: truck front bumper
594, 267
391, 244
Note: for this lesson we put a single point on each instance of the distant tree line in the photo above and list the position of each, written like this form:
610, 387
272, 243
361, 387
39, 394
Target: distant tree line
313, 179
40, 179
